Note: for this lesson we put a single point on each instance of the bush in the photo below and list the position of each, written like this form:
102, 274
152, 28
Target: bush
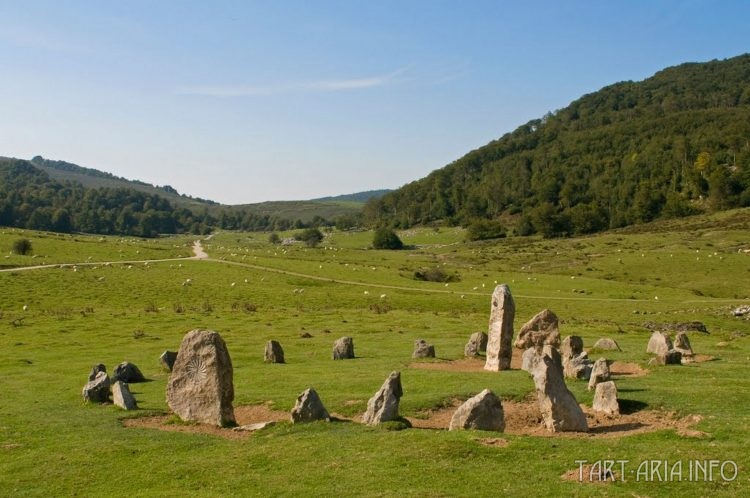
311, 236
435, 275
22, 247
385, 238
274, 238
485, 230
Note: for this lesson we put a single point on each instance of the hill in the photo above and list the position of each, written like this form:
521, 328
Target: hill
671, 145
357, 197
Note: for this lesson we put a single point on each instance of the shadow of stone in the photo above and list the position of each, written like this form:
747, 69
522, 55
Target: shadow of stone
629, 406
616, 428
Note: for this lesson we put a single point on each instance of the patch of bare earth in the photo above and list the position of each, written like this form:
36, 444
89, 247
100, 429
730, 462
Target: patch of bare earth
244, 415
523, 418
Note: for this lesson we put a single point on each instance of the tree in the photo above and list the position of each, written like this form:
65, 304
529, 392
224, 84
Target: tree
22, 246
485, 230
274, 238
310, 236
385, 238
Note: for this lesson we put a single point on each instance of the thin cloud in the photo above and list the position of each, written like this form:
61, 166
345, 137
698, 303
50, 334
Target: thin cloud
310, 86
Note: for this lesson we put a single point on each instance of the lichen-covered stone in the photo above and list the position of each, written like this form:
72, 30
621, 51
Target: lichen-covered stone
383, 406
500, 335
482, 412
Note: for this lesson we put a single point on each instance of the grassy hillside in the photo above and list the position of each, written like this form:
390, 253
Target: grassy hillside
605, 285
672, 145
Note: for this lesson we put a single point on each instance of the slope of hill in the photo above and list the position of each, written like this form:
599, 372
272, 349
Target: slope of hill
356, 197
674, 144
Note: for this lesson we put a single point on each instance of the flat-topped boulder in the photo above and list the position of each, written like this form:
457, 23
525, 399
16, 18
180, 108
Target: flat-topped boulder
343, 349
500, 334
201, 387
423, 350
542, 329
309, 408
482, 412
560, 410
273, 353
383, 406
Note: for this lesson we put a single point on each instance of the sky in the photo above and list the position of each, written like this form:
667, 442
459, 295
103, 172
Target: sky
249, 101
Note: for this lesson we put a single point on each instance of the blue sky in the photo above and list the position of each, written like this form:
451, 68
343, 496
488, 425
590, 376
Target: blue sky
249, 101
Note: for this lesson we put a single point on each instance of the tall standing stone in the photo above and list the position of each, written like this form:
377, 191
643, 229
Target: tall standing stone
500, 334
483, 412
559, 408
542, 329
201, 386
309, 408
274, 353
343, 349
383, 406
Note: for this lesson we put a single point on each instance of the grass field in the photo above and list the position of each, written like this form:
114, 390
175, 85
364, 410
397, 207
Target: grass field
52, 444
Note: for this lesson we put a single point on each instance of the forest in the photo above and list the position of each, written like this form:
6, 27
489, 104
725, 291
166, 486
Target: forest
675, 144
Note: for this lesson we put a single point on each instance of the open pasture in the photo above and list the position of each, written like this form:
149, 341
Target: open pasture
250, 291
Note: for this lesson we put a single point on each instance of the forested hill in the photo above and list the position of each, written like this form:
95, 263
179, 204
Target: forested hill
674, 144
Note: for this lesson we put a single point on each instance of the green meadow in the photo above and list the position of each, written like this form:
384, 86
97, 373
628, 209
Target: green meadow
56, 322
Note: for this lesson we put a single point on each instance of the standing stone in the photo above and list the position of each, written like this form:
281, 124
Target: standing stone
122, 397
128, 373
528, 359
533, 355
659, 343
343, 348
682, 344
607, 344
273, 353
500, 335
578, 367
559, 408
599, 373
483, 412
167, 359
477, 343
309, 408
97, 390
605, 398
201, 386
571, 346
383, 406
99, 367
542, 329
423, 350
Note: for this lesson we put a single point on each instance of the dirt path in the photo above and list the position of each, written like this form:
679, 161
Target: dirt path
198, 251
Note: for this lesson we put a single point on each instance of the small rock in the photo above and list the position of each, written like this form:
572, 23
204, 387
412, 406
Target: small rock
477, 343
273, 353
599, 373
167, 359
343, 348
741, 310
482, 412
253, 427
128, 373
97, 390
99, 367
309, 408
605, 398
607, 344
122, 397
423, 350
671, 357
383, 406
659, 343
578, 367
